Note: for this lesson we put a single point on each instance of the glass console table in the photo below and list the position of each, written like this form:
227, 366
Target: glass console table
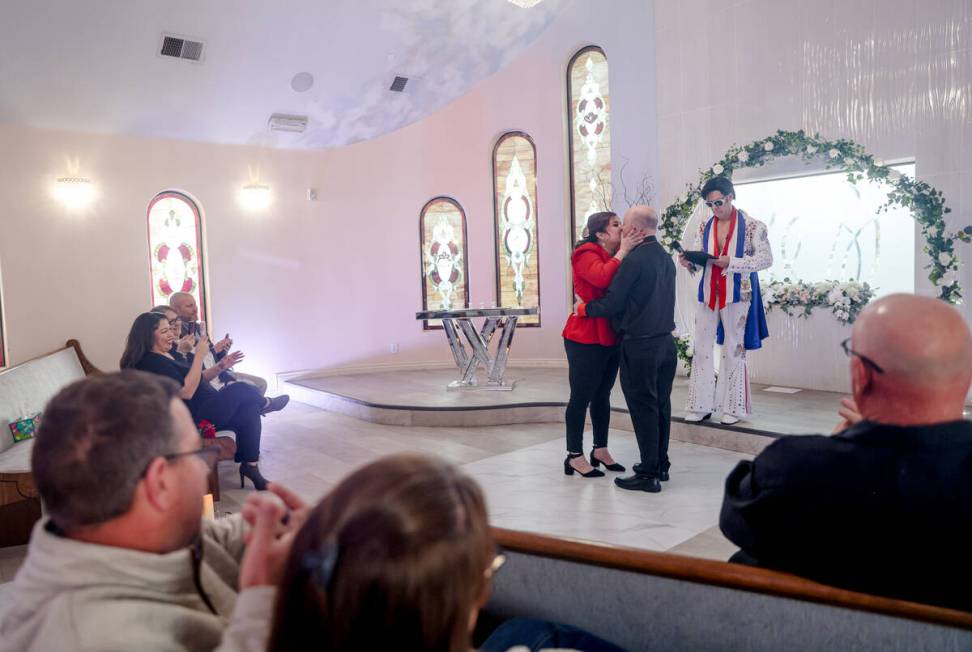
456, 321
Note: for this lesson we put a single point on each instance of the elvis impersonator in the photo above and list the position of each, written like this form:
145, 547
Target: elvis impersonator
730, 308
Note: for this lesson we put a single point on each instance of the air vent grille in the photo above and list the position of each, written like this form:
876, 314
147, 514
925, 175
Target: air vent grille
181, 48
398, 85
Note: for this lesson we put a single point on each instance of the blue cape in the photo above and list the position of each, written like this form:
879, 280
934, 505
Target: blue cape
756, 330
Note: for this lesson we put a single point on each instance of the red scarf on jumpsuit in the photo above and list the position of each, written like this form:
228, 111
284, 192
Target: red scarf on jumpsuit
718, 280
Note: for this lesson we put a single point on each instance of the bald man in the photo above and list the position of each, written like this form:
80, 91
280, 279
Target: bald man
885, 504
641, 304
185, 306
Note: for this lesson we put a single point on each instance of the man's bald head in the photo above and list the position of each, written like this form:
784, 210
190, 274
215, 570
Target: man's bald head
185, 305
924, 347
642, 217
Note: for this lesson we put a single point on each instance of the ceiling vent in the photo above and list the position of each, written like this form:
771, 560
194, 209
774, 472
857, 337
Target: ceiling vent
398, 84
179, 47
294, 123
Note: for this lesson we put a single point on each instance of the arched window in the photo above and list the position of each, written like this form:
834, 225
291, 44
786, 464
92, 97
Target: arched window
515, 220
589, 135
175, 249
445, 278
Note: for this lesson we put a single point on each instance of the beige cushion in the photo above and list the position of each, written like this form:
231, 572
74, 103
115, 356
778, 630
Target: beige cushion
26, 389
17, 458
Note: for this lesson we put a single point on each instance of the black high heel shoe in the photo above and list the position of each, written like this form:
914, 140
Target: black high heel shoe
252, 472
569, 470
610, 467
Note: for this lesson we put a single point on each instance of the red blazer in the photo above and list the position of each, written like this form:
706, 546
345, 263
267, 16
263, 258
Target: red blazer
593, 269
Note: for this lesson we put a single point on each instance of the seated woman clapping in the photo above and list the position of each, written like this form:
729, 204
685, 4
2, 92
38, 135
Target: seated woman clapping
235, 407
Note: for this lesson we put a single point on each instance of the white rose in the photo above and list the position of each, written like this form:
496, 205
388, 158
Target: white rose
945, 258
894, 175
811, 149
768, 147
879, 162
690, 351
717, 169
742, 157
834, 297
833, 153
853, 292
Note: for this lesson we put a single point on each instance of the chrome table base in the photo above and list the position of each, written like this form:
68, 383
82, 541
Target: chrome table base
459, 322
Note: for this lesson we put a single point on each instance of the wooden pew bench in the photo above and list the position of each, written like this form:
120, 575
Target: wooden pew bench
644, 600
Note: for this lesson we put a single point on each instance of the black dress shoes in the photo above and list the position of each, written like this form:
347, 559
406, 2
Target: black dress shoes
274, 404
662, 475
639, 483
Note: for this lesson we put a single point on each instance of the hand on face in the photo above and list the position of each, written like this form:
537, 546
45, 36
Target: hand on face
631, 237
849, 413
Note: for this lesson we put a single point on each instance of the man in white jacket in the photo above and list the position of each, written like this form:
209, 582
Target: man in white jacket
124, 560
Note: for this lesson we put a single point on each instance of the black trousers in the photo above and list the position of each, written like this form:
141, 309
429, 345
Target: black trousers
647, 374
236, 407
592, 370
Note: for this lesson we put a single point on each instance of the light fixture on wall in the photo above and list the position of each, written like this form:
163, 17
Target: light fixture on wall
255, 196
74, 192
526, 4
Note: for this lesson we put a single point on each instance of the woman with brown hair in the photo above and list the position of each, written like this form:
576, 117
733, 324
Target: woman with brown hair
399, 556
591, 344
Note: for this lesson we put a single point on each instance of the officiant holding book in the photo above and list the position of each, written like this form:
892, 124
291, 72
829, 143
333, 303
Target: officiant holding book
730, 308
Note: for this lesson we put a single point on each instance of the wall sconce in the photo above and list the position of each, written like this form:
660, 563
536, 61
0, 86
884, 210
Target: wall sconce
74, 192
255, 196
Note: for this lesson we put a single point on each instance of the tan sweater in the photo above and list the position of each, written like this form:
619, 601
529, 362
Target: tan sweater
74, 596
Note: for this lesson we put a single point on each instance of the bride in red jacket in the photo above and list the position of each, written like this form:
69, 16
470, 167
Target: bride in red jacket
591, 344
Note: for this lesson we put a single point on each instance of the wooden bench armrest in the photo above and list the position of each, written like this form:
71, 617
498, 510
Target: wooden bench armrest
86, 364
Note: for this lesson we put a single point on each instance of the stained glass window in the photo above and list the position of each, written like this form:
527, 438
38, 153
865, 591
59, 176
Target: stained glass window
175, 248
445, 283
590, 136
515, 220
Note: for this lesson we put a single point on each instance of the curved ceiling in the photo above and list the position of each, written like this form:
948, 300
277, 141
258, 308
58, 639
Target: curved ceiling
94, 65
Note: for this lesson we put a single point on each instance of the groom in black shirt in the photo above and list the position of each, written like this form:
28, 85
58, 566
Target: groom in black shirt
641, 305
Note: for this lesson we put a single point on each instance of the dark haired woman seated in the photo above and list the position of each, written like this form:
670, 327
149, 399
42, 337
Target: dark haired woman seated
235, 407
399, 556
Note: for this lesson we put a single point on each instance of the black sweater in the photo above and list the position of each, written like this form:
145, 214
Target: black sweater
641, 298
877, 508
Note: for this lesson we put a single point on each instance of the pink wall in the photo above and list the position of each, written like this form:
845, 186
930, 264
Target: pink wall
307, 285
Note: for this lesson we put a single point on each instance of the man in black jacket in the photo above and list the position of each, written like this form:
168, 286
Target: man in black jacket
641, 304
885, 504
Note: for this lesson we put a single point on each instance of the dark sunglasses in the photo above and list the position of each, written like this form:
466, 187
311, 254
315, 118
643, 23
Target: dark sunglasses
866, 360
717, 203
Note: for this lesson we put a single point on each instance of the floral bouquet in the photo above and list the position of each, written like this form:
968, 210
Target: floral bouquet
685, 350
845, 299
206, 429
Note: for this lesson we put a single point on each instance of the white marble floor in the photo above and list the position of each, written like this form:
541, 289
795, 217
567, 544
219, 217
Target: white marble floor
528, 490
520, 468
